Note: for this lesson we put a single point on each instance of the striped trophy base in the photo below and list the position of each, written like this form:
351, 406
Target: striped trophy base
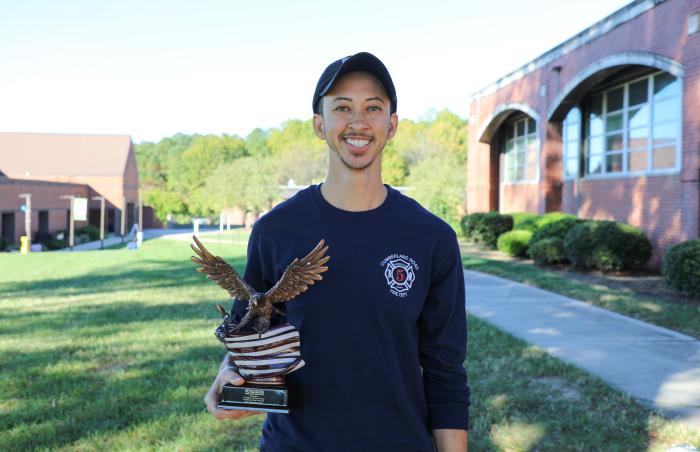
263, 360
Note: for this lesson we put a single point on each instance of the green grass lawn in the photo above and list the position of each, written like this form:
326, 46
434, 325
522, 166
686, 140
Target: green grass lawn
114, 350
684, 318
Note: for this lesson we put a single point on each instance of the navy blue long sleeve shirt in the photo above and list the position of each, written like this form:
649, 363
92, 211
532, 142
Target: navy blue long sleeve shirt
383, 334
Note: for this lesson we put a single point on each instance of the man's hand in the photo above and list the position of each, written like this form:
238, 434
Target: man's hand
226, 375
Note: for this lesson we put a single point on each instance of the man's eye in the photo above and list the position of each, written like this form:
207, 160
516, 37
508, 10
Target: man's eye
374, 108
342, 108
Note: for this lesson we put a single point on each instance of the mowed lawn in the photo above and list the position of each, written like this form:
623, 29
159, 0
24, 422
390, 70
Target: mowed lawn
114, 350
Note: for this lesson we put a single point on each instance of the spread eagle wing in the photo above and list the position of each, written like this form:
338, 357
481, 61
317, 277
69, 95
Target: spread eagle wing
219, 271
299, 275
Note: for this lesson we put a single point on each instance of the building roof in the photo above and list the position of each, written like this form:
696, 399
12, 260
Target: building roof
603, 26
48, 154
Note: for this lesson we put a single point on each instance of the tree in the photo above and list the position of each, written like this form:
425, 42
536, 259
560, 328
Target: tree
248, 183
438, 183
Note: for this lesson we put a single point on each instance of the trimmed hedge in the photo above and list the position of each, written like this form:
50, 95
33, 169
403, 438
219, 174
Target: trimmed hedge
514, 243
92, 232
548, 251
681, 267
606, 246
485, 227
469, 224
555, 229
525, 221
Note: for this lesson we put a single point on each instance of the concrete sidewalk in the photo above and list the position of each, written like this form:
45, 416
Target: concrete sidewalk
657, 366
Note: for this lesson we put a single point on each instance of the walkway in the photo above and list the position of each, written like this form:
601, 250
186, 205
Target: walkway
657, 366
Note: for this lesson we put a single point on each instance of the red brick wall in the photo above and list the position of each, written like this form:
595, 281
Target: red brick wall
44, 197
665, 207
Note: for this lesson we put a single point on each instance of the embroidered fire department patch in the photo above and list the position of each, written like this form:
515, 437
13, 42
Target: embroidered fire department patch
399, 273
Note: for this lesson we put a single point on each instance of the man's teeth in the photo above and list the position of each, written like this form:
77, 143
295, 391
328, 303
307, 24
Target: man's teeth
358, 143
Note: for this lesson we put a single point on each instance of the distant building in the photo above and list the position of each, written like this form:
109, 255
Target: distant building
605, 126
50, 166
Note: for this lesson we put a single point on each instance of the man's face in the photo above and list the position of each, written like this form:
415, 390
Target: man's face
356, 121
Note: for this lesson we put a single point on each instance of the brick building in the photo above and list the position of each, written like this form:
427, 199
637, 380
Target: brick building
605, 126
50, 166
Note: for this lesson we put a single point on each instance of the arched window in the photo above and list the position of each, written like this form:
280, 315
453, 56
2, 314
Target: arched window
571, 140
633, 127
520, 150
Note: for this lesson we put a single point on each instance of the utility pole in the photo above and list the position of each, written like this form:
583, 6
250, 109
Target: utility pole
71, 227
122, 217
27, 218
102, 219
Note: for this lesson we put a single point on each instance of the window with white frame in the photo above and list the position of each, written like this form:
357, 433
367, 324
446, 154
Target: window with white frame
521, 150
633, 127
571, 140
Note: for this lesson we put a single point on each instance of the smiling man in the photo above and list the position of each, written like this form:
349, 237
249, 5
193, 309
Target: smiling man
384, 334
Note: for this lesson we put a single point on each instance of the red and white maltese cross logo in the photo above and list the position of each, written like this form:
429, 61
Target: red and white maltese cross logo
399, 275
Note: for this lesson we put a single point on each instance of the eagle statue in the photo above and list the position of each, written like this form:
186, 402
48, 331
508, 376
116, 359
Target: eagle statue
297, 277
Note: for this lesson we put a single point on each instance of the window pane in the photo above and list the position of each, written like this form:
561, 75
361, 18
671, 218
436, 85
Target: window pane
531, 125
665, 85
509, 131
520, 173
613, 122
510, 144
638, 116
664, 157
637, 161
615, 97
638, 92
510, 175
595, 145
572, 132
613, 142
638, 138
595, 164
665, 133
520, 143
574, 116
571, 149
595, 120
571, 167
666, 110
520, 128
613, 163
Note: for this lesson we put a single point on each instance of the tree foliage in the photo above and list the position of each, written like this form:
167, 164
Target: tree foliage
186, 175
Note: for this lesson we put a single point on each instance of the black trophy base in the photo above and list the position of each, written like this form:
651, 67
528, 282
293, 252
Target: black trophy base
269, 399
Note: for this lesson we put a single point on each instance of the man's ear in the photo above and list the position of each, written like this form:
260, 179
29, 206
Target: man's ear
318, 126
393, 125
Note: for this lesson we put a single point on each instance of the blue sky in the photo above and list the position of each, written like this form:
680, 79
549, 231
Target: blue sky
154, 68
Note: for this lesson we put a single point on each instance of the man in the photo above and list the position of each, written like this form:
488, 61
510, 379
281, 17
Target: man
384, 334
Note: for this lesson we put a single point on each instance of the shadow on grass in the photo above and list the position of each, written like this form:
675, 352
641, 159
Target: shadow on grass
146, 274
523, 399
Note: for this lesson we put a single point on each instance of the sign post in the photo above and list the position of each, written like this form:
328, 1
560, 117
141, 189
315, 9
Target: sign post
102, 219
27, 218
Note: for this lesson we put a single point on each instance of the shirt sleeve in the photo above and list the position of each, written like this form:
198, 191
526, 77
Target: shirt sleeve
443, 341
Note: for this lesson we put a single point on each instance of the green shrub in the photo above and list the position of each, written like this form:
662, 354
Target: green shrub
492, 225
681, 267
555, 229
547, 251
469, 225
525, 220
607, 246
3, 244
515, 242
92, 232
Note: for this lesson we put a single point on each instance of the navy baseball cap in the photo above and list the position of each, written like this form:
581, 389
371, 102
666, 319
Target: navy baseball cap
362, 61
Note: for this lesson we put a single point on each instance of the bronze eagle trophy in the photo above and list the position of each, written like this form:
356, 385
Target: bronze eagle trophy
263, 356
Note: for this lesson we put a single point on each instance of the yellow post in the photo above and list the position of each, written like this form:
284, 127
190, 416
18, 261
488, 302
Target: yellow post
24, 244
